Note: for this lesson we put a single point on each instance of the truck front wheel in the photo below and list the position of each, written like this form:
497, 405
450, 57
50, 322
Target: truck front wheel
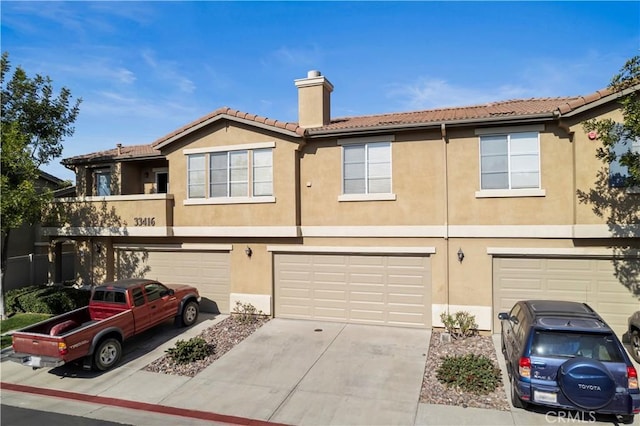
189, 313
107, 354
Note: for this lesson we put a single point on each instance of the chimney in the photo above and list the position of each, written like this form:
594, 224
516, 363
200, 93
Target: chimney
119, 148
314, 100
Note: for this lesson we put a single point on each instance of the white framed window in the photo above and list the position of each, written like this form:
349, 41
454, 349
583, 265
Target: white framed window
510, 161
103, 182
196, 176
618, 173
262, 172
366, 168
232, 176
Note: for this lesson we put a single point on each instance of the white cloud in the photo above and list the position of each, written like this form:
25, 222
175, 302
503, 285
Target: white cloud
428, 92
168, 71
310, 56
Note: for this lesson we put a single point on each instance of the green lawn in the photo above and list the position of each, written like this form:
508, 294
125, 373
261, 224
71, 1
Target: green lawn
18, 321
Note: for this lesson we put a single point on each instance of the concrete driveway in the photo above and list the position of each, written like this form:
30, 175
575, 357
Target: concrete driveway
306, 372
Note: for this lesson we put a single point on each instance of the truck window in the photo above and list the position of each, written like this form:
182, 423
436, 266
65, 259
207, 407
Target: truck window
109, 296
154, 291
138, 297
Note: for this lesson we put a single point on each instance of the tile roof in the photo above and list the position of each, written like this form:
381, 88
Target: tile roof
120, 153
510, 109
477, 113
233, 113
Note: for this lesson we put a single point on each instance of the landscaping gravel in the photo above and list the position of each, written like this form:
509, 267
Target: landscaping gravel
222, 337
434, 392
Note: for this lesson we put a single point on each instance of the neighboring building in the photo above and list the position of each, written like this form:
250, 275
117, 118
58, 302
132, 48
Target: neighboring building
27, 255
381, 219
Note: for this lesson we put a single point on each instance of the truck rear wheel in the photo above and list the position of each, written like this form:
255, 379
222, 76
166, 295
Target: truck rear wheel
107, 354
189, 313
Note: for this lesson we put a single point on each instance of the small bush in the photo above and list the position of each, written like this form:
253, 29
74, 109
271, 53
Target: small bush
471, 373
245, 313
460, 325
45, 299
191, 350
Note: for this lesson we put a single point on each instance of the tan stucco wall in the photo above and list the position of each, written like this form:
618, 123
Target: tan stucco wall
281, 213
417, 182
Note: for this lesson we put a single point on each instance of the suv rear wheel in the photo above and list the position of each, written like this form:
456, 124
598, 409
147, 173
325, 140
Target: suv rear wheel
515, 399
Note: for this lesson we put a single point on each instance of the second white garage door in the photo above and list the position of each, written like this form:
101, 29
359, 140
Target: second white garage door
581, 280
208, 271
392, 290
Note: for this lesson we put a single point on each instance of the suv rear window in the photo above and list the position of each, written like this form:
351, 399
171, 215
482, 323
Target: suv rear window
600, 347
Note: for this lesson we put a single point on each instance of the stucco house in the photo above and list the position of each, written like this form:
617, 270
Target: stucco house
381, 219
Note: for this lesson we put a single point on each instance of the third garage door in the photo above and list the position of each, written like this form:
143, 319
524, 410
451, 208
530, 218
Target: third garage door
578, 279
369, 289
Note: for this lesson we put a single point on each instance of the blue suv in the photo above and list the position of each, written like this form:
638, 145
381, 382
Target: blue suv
563, 355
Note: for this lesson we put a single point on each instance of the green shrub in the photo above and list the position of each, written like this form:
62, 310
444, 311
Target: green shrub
191, 350
45, 299
471, 372
460, 325
245, 313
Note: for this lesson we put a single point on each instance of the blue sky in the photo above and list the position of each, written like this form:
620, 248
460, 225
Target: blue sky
144, 69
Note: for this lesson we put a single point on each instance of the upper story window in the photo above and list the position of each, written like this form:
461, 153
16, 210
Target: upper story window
618, 173
366, 169
103, 182
232, 174
510, 161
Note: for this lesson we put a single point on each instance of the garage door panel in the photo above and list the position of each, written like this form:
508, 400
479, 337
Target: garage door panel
371, 289
209, 272
583, 280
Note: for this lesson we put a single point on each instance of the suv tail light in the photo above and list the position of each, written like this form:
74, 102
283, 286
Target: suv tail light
524, 367
632, 376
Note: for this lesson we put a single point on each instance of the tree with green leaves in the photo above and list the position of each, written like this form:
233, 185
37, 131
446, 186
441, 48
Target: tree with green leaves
614, 195
34, 122
617, 139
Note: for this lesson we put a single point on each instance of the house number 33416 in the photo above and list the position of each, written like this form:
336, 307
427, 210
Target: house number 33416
144, 221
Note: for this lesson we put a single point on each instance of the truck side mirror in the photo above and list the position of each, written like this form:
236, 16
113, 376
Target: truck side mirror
503, 316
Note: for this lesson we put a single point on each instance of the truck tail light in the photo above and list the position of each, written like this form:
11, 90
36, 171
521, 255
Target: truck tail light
632, 377
524, 367
62, 348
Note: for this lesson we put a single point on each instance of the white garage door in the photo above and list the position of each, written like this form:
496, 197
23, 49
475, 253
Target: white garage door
209, 272
581, 280
393, 290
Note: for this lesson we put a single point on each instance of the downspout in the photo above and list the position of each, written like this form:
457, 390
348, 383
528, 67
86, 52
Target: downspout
445, 142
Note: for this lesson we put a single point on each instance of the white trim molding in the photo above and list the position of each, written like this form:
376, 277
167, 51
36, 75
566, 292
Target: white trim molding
436, 231
95, 231
175, 247
560, 252
367, 139
262, 302
367, 197
483, 314
228, 200
107, 198
513, 193
422, 250
511, 231
225, 148
605, 231
235, 231
510, 129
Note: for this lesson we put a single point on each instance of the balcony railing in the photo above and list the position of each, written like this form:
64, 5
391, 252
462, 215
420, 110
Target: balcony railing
139, 214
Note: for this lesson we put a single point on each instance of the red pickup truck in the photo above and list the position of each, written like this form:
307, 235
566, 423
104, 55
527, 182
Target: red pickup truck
116, 311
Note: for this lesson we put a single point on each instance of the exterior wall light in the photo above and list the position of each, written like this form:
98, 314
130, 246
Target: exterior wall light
460, 255
248, 251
